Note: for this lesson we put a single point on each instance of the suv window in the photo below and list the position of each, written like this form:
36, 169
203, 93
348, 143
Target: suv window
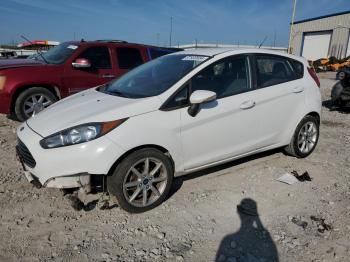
157, 52
128, 58
273, 70
99, 57
229, 76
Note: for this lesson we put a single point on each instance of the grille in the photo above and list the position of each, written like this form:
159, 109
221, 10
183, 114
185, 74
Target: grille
25, 155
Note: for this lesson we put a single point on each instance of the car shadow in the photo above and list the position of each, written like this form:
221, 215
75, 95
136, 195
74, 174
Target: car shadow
331, 107
252, 242
178, 181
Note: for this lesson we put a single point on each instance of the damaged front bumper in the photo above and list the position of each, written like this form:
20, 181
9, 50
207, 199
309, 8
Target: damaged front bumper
65, 167
82, 180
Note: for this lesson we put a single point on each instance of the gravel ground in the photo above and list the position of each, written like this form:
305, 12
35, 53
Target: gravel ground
306, 221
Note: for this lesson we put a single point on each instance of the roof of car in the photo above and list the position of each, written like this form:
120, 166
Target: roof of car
219, 50
207, 51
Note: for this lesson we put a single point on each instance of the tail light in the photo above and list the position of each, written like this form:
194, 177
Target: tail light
314, 76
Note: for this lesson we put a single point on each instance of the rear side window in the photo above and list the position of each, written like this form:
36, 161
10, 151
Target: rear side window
273, 70
128, 58
98, 56
157, 52
298, 68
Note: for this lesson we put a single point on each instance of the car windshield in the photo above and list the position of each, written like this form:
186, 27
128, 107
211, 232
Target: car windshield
154, 77
58, 54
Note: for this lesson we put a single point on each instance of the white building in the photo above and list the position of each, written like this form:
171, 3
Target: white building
322, 37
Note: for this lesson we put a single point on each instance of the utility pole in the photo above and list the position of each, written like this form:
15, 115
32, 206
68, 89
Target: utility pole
291, 27
171, 30
274, 38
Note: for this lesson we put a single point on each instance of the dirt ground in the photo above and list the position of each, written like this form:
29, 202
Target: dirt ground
306, 221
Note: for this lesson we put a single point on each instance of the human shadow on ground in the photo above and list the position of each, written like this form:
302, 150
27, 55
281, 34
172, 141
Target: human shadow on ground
252, 242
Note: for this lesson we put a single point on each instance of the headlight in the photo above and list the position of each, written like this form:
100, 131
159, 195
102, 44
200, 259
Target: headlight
2, 82
79, 134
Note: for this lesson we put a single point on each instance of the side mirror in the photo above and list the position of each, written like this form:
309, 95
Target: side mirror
81, 63
199, 97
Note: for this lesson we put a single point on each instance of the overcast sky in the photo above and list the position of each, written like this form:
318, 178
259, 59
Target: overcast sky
148, 21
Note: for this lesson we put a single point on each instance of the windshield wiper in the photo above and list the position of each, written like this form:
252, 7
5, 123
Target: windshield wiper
38, 50
116, 92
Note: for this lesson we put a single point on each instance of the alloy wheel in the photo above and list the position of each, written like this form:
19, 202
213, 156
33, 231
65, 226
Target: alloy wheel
145, 182
307, 137
35, 103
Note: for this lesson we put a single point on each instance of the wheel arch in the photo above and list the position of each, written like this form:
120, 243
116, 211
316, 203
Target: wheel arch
127, 153
53, 89
292, 126
316, 115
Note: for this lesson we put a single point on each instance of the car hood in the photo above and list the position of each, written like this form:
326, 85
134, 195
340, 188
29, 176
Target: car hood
11, 63
87, 107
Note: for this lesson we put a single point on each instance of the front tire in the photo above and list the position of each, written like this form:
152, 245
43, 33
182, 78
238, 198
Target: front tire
305, 138
31, 101
142, 180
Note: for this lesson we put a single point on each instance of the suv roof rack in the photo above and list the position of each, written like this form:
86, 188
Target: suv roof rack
111, 40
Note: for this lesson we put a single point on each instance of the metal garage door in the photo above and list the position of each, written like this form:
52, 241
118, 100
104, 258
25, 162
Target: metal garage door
316, 45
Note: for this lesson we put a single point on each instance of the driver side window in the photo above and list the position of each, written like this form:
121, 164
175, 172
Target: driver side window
98, 56
227, 77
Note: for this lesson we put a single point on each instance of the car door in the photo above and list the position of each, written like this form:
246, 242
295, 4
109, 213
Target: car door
280, 95
226, 127
100, 72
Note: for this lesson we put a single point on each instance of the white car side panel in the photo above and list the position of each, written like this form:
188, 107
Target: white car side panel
312, 103
277, 106
160, 128
220, 130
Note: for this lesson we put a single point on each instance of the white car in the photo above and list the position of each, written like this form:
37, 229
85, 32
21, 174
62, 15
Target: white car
174, 115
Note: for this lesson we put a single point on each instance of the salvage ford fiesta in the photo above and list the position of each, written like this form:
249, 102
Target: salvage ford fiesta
174, 115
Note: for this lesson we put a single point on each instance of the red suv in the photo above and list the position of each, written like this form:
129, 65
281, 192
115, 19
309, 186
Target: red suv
27, 86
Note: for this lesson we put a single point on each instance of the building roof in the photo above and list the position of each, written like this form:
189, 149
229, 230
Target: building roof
321, 17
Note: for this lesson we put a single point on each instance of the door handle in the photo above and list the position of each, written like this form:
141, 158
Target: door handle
298, 89
247, 104
108, 76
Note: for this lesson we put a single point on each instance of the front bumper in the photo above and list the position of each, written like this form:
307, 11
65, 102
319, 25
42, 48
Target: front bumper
66, 167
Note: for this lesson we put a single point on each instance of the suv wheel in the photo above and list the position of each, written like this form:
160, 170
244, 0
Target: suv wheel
305, 138
32, 101
142, 180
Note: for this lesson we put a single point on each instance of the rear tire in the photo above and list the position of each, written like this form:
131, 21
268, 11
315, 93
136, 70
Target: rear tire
23, 110
139, 186
305, 138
